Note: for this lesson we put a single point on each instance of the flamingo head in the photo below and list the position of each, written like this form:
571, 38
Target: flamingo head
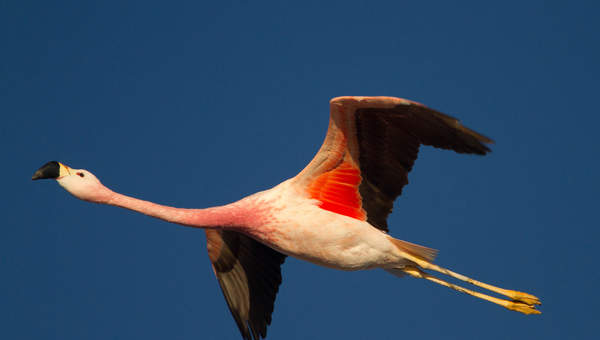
79, 182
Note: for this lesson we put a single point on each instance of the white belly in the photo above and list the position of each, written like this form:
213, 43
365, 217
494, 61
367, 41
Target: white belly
349, 249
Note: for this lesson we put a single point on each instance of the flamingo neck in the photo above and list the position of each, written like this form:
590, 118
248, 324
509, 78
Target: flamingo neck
223, 216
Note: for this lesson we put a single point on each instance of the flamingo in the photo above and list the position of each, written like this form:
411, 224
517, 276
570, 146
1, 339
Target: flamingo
333, 213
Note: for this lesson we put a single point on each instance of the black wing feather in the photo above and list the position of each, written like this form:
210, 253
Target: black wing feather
389, 140
249, 274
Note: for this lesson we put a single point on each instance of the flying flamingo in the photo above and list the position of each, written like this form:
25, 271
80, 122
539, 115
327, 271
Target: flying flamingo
333, 213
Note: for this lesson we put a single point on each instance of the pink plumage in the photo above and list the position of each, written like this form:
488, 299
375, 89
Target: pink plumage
333, 213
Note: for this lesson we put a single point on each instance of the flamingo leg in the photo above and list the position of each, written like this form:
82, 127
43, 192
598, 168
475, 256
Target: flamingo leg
514, 295
515, 305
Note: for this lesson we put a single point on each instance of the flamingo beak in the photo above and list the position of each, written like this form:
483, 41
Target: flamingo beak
51, 170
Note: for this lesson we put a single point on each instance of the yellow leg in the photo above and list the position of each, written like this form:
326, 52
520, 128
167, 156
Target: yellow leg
518, 306
517, 296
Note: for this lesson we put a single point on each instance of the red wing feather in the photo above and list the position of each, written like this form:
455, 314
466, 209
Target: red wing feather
337, 190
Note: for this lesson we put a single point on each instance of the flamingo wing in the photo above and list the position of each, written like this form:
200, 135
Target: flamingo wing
249, 274
371, 146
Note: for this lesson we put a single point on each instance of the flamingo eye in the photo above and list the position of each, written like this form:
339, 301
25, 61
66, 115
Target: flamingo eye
80, 174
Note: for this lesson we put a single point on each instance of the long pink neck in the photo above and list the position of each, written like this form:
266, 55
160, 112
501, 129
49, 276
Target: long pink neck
224, 216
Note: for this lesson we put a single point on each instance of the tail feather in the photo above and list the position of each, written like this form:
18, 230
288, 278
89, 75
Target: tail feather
421, 252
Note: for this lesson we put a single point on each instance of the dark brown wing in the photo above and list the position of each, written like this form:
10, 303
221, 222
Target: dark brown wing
249, 274
389, 140
380, 137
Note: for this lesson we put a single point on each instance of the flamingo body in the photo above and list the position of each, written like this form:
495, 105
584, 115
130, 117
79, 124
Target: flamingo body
294, 224
333, 213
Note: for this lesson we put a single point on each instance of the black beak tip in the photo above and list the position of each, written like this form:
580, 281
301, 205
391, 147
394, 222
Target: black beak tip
50, 170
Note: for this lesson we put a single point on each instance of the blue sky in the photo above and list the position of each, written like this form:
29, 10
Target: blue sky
195, 104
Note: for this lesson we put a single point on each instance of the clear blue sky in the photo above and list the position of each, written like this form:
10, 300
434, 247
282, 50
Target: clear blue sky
194, 104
